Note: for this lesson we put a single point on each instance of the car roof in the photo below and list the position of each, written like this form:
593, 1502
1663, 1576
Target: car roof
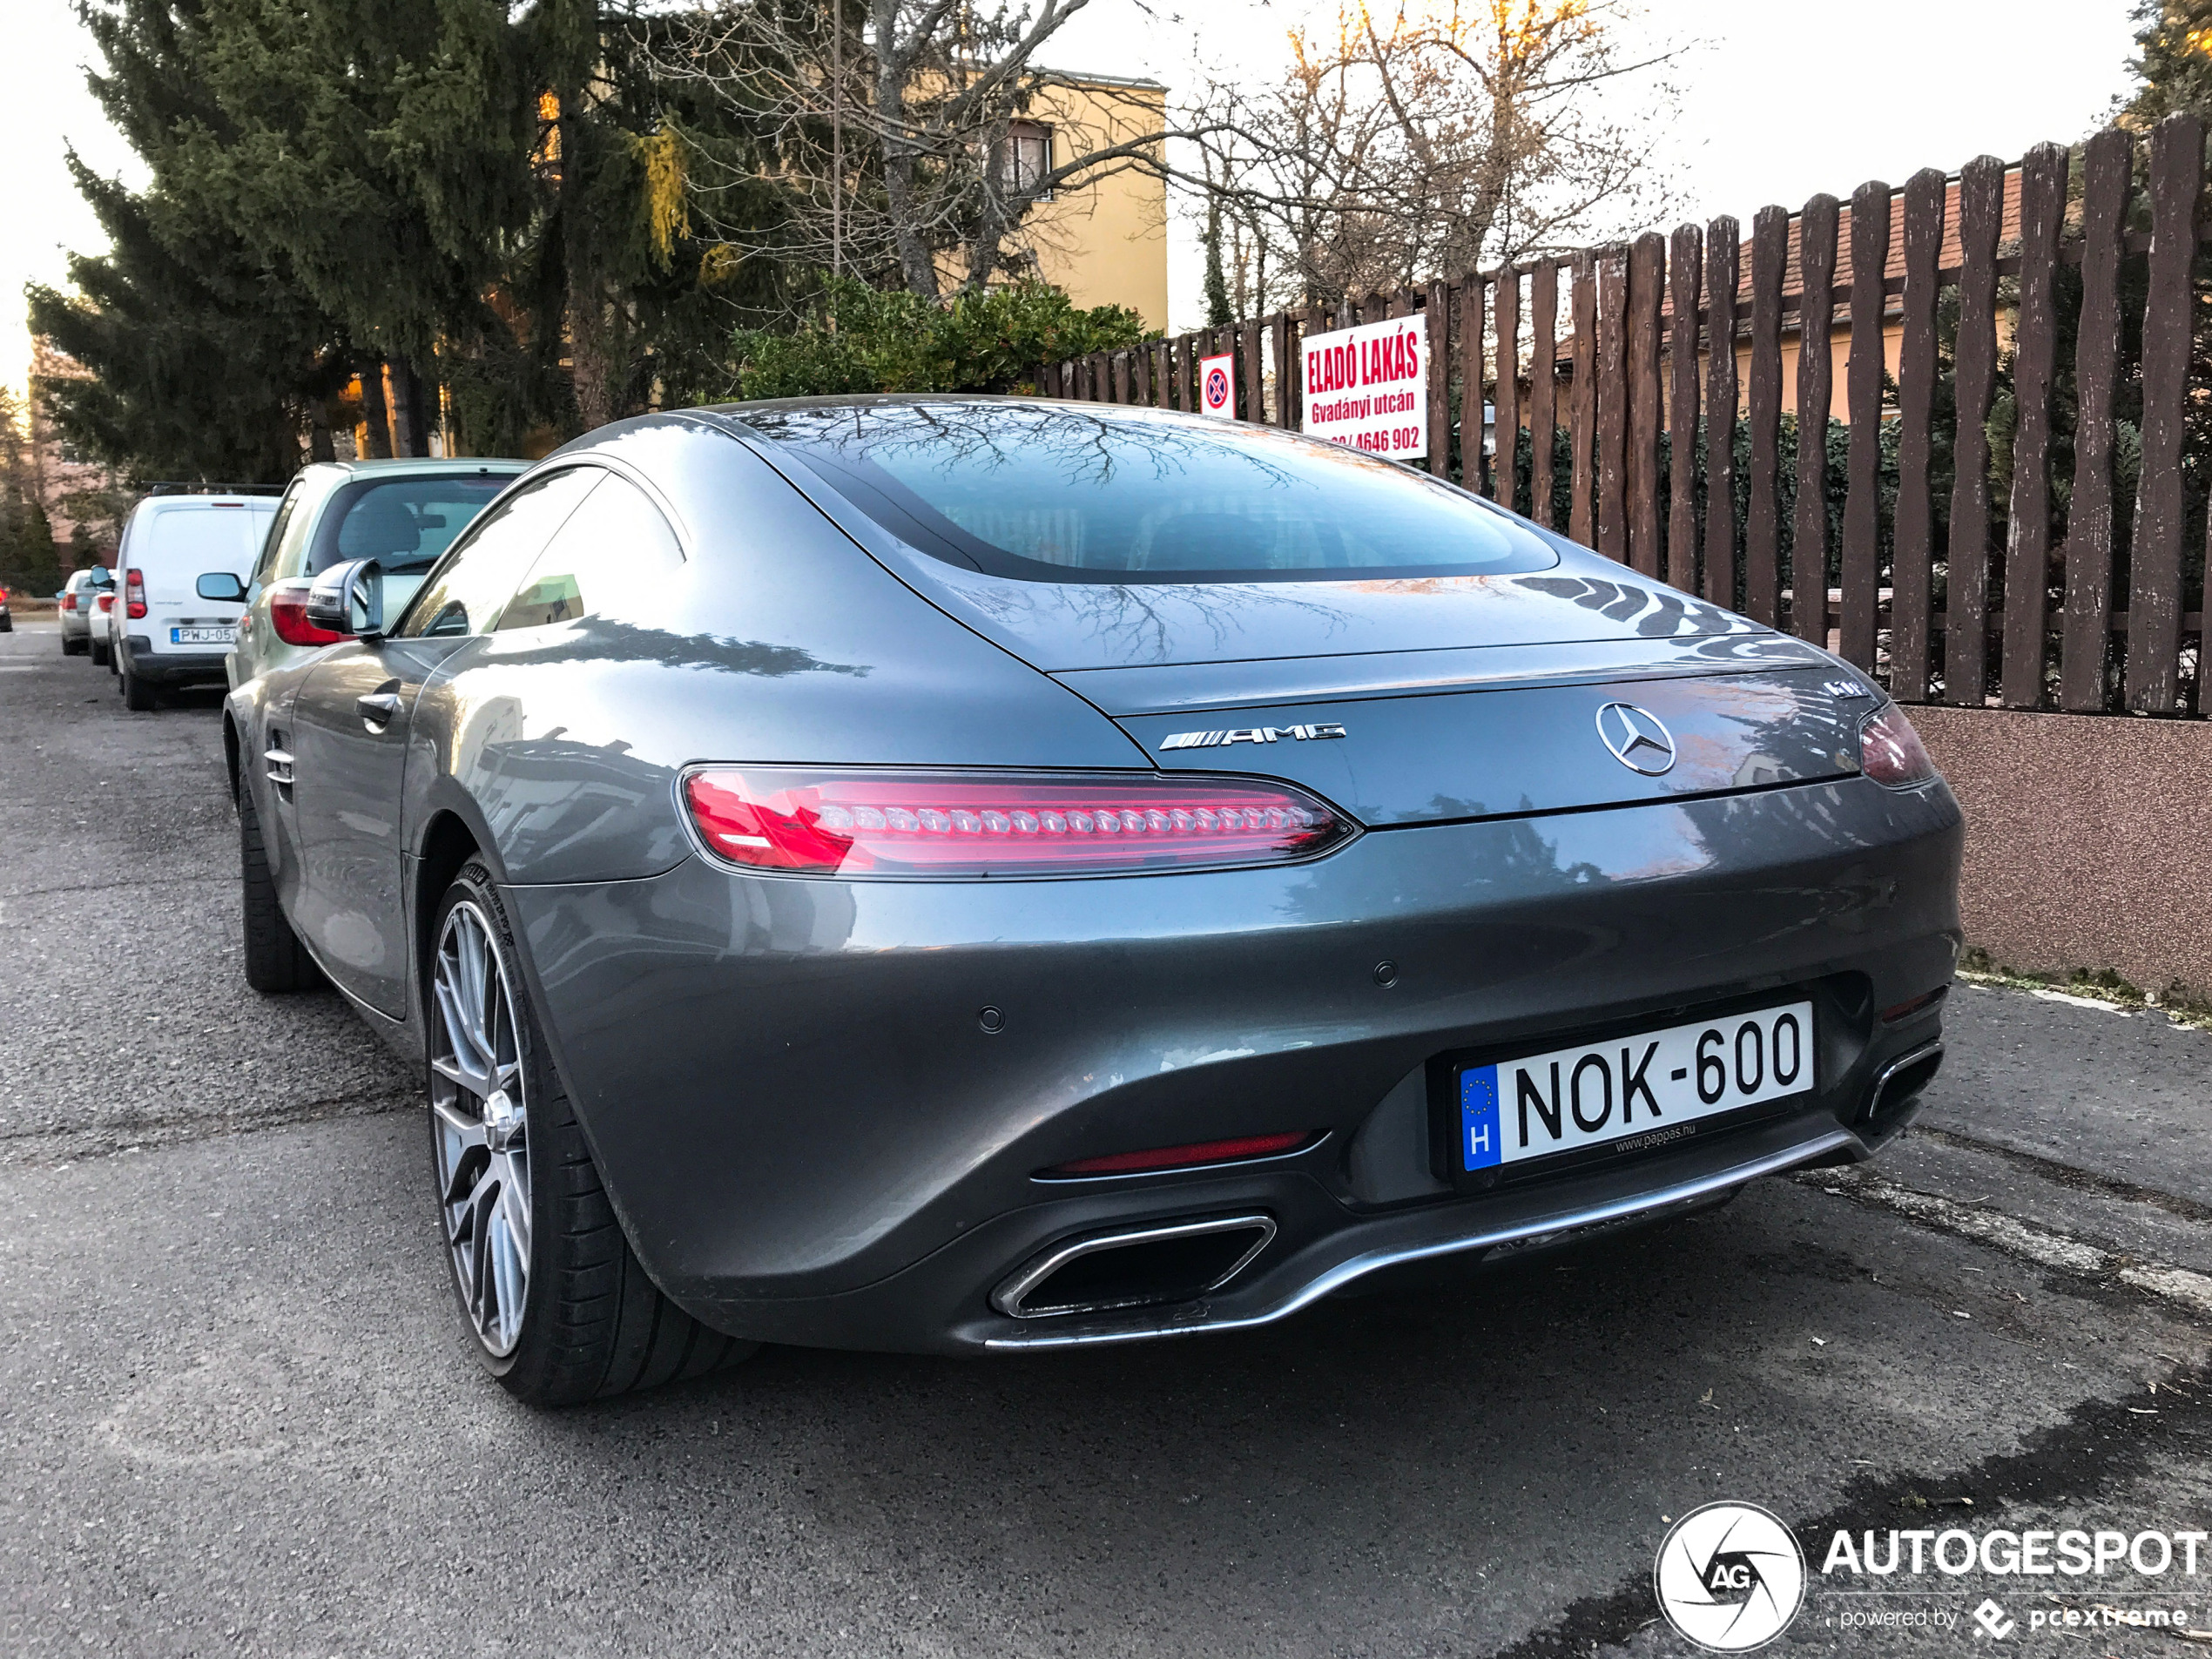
406, 466
155, 505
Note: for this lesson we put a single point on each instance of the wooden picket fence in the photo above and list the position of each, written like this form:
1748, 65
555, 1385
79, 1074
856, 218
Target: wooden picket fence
1987, 592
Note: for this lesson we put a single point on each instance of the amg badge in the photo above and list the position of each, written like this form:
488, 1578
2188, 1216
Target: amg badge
1252, 734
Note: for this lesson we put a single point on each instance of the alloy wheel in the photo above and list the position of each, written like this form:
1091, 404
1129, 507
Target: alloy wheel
481, 1129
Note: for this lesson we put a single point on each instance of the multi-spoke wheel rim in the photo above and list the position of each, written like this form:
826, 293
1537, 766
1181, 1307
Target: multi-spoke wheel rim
479, 1125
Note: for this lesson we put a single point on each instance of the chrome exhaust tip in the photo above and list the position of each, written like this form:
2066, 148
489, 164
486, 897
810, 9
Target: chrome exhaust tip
1899, 1085
1134, 1267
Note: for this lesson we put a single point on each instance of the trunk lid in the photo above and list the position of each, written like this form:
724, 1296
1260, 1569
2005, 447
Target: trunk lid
1413, 737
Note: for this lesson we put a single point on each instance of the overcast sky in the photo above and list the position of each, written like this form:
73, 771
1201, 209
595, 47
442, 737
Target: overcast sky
1779, 100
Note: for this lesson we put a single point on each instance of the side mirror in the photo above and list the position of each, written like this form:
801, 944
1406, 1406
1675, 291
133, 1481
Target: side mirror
348, 598
222, 587
101, 577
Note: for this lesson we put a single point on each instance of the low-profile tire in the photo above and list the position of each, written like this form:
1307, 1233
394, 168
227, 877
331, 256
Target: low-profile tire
276, 960
554, 1301
138, 696
99, 650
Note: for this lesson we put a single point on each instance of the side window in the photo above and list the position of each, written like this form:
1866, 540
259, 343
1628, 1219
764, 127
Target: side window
615, 545
465, 592
286, 551
285, 512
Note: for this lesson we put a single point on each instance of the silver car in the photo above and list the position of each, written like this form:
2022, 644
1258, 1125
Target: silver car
402, 513
78, 595
983, 875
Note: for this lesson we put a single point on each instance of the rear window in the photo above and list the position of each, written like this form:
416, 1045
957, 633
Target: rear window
402, 523
1058, 494
200, 539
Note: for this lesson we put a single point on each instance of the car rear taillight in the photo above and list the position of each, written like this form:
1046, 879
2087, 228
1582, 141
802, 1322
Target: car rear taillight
69, 601
1240, 1149
1890, 751
134, 594
1000, 823
105, 603
288, 616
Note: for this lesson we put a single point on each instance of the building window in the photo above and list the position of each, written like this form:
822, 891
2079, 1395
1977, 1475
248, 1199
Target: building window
1026, 157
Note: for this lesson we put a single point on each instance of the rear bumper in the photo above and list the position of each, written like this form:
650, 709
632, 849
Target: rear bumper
158, 667
811, 1137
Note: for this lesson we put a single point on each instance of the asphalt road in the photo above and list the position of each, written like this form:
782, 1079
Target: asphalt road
236, 1417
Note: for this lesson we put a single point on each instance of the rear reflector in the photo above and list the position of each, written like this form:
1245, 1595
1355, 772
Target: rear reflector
1180, 1158
1904, 1010
1000, 823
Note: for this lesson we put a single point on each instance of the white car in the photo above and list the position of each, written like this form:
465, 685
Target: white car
170, 627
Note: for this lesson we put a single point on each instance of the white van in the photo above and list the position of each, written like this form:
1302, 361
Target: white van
166, 633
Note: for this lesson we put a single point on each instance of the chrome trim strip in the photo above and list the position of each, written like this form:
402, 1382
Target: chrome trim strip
1008, 1296
1360, 1266
1045, 1178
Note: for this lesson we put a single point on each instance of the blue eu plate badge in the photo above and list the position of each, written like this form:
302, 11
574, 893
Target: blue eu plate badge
1479, 1144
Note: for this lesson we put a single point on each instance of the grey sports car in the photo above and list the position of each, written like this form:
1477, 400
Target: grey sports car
957, 874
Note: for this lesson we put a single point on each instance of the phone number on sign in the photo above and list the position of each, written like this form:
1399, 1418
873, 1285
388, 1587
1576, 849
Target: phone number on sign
1382, 441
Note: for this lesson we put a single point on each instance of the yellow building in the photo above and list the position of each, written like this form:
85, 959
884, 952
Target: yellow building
1104, 242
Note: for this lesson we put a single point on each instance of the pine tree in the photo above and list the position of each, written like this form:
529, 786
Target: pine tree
490, 200
203, 359
204, 354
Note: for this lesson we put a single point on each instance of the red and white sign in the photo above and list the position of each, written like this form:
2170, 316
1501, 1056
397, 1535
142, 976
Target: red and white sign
1218, 385
1368, 386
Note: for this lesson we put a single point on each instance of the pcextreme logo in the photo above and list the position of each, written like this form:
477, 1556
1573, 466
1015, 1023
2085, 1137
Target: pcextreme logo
1729, 1577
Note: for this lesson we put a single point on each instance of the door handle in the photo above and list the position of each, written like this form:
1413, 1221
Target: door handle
376, 709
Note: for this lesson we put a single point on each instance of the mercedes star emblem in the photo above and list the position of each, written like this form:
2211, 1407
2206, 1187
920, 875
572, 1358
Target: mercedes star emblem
1637, 737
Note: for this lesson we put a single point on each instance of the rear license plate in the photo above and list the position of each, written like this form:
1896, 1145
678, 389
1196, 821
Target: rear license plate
1635, 1092
203, 636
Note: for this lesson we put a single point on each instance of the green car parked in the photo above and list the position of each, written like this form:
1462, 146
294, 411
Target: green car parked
402, 513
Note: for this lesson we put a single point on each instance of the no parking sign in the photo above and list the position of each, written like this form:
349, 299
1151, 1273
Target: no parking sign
1217, 384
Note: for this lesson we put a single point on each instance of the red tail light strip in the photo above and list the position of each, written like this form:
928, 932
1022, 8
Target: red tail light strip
288, 617
953, 824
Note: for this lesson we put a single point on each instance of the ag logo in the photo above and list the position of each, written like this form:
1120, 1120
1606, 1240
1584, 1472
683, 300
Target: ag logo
1729, 1577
